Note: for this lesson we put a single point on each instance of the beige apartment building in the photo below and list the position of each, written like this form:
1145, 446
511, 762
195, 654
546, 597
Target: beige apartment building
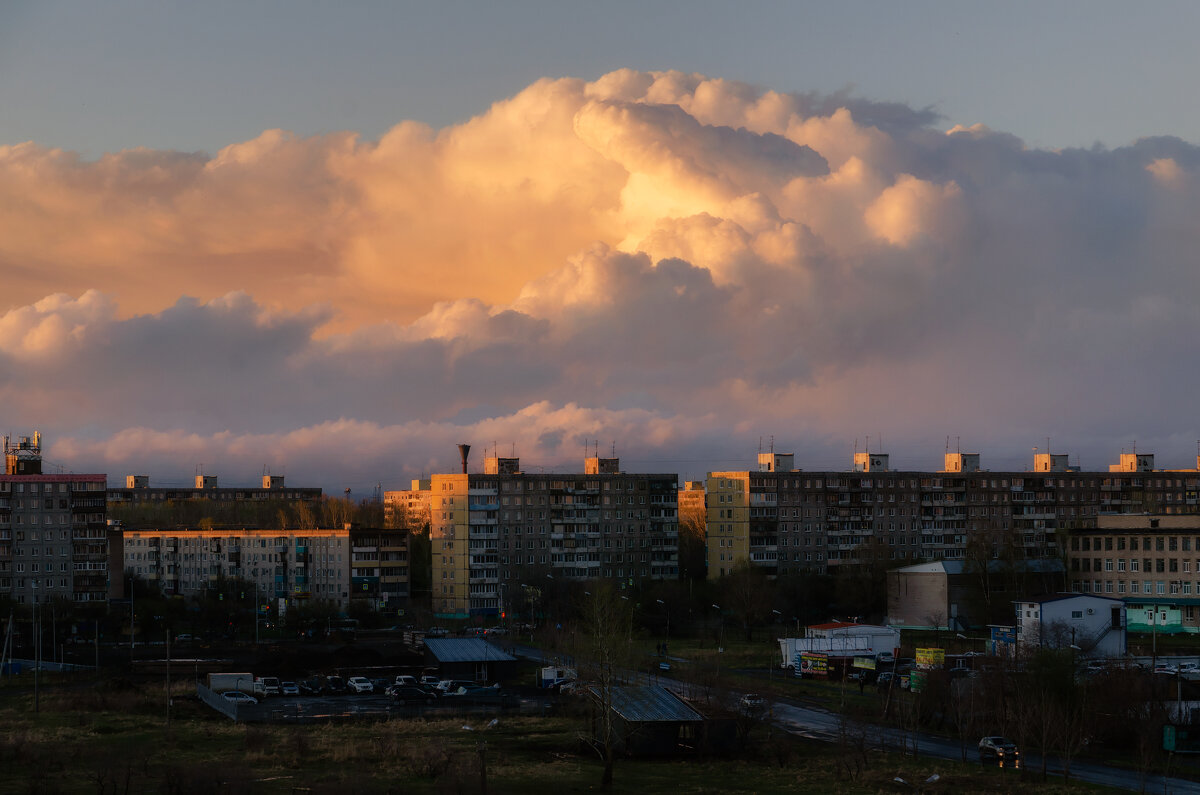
408, 508
496, 534
789, 521
1137, 555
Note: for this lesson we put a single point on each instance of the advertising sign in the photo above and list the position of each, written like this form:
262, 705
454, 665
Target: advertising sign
866, 663
814, 664
916, 681
931, 658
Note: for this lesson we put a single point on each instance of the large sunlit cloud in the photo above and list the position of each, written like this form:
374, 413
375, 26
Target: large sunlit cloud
665, 261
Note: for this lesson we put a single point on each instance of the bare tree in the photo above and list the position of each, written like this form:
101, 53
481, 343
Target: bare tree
607, 619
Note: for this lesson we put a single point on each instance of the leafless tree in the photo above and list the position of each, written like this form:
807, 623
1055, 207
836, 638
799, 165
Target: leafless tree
607, 620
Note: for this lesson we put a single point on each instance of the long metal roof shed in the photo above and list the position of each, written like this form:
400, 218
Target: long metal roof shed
465, 650
650, 704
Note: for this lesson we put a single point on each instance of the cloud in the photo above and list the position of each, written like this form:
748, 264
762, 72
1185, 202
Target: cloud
670, 261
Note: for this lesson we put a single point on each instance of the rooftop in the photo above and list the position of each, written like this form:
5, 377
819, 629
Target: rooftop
465, 650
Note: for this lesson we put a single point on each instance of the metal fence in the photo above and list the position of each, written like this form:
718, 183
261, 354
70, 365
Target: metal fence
217, 701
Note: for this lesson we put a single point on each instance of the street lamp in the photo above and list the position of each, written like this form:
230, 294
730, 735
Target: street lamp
664, 604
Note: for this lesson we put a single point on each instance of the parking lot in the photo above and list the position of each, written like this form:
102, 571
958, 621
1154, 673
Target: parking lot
522, 701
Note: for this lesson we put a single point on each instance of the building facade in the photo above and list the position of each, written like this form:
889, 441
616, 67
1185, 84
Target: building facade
334, 565
789, 521
408, 508
54, 537
1094, 626
138, 490
493, 532
1150, 561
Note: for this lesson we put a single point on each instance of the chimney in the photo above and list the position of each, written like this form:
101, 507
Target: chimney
464, 450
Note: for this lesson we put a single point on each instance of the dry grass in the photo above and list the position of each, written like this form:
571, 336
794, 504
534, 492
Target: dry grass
93, 741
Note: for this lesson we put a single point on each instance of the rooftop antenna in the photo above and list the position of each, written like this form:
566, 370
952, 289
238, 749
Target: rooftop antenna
772, 444
958, 444
614, 449
868, 449
760, 445
947, 443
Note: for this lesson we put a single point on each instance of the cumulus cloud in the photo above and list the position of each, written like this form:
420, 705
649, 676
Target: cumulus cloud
670, 261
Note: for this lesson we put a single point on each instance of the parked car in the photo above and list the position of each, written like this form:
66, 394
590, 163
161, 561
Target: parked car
360, 684
449, 685
238, 697
408, 694
429, 680
381, 685
405, 679
335, 685
461, 688
884, 679
184, 638
289, 689
495, 631
1189, 671
753, 703
437, 632
885, 658
1166, 669
999, 749
313, 687
266, 686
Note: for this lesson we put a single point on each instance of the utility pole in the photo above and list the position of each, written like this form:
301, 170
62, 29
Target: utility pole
168, 681
37, 654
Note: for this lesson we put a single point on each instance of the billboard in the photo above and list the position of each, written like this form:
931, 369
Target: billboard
866, 663
813, 664
931, 658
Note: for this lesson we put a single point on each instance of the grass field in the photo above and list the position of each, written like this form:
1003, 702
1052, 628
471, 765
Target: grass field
104, 738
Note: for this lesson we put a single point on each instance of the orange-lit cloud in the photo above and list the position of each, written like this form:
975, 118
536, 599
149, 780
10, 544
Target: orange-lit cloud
662, 257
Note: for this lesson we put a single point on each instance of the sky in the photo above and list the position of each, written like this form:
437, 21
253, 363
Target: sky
333, 242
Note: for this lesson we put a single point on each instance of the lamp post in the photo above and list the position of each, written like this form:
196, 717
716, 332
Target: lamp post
664, 604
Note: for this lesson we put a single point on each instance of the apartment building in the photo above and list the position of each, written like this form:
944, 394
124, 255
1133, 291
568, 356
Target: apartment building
789, 521
334, 565
408, 508
54, 540
496, 531
138, 490
692, 502
1150, 561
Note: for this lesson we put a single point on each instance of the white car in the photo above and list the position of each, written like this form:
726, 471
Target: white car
289, 689
360, 684
1166, 668
238, 697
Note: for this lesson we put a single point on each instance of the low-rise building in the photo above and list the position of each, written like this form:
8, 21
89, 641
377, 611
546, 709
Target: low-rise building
1092, 625
335, 565
961, 595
